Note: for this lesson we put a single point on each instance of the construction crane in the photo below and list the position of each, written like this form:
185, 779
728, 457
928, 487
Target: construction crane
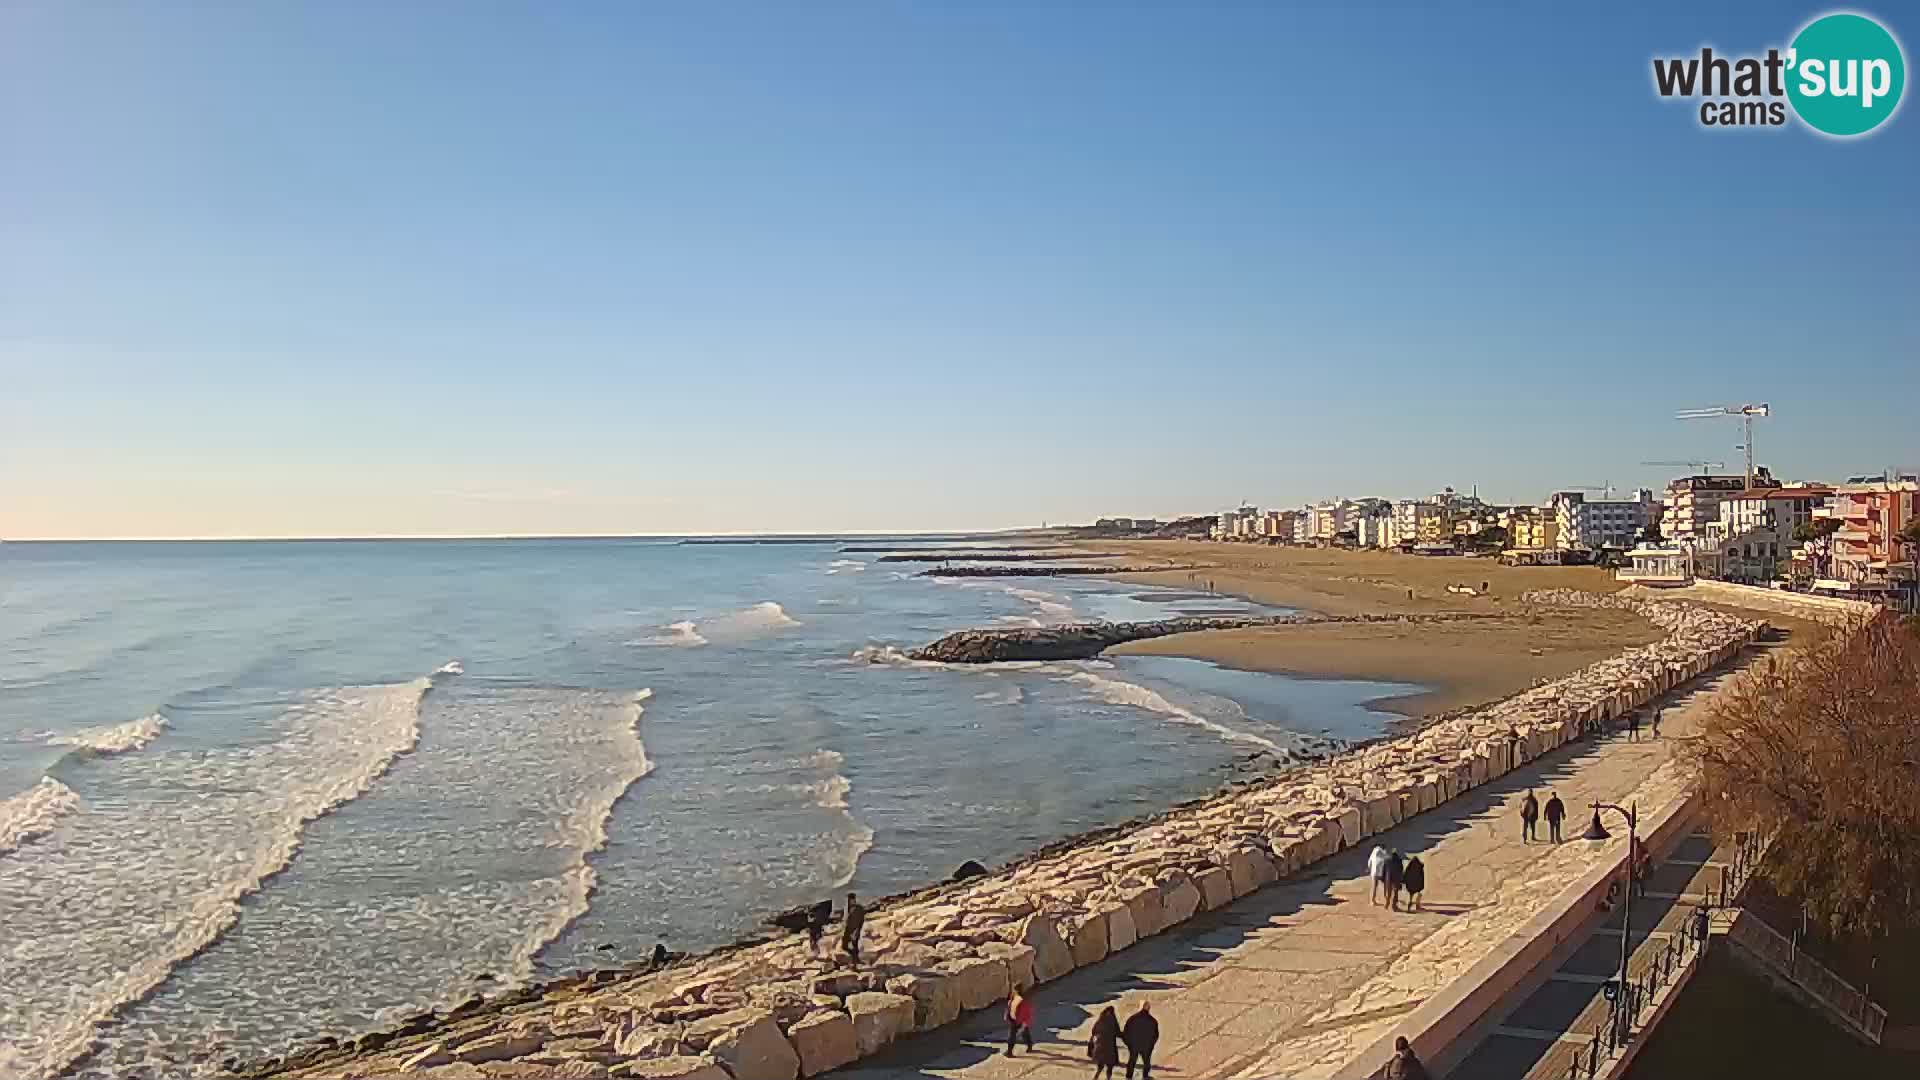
1605, 489
1687, 464
1746, 413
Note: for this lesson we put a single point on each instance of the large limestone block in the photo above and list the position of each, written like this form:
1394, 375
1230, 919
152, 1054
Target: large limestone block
878, 1019
1216, 887
1120, 931
1378, 814
499, 1046
1148, 916
1347, 819
979, 981
936, 1001
1179, 898
1426, 794
823, 1040
1018, 958
1052, 957
1245, 872
685, 1067
1090, 939
754, 1049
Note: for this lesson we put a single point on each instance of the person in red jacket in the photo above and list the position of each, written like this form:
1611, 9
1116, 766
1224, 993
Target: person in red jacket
1019, 1020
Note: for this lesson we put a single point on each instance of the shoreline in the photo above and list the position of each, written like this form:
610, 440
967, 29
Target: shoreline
1040, 914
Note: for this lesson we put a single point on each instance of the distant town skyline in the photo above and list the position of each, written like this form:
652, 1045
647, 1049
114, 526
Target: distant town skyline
352, 270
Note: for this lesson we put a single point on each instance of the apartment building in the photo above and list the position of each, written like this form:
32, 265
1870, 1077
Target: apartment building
1694, 501
1420, 521
1592, 524
1755, 531
1867, 550
1533, 528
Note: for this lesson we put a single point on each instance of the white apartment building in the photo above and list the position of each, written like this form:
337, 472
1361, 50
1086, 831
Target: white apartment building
1412, 517
1592, 524
1371, 530
1694, 501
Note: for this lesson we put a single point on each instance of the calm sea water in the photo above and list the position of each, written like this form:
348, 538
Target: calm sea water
259, 792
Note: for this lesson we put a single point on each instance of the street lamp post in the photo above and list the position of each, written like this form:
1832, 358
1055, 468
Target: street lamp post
1596, 831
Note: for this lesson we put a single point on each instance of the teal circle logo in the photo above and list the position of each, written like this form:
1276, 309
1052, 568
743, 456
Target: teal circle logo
1845, 73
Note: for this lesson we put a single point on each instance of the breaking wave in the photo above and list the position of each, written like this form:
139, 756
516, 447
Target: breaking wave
845, 566
747, 624
113, 739
163, 887
34, 812
1012, 695
1120, 692
1049, 606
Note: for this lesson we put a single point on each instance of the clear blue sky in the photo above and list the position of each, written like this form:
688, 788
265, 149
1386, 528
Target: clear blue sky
422, 268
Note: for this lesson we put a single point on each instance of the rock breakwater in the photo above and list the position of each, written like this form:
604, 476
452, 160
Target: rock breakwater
1081, 641
772, 1011
1044, 571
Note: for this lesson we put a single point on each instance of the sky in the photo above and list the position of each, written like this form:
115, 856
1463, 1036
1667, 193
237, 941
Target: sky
444, 268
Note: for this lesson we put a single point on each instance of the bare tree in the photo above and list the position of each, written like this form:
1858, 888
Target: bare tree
1822, 750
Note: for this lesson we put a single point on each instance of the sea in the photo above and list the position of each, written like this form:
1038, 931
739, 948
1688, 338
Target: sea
256, 793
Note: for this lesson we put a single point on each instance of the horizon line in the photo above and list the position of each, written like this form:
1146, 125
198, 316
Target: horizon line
512, 536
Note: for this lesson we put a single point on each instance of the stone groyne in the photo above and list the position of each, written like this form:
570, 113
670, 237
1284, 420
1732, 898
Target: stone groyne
1081, 641
1045, 571
771, 1011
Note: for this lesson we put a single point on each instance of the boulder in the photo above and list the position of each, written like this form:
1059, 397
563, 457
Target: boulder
752, 1048
1018, 958
1245, 871
431, 1057
498, 1046
978, 981
967, 870
647, 1040
1051, 956
1179, 899
878, 1019
1144, 902
1120, 932
1347, 819
671, 1068
838, 983
1216, 887
936, 1001
823, 1040
1089, 939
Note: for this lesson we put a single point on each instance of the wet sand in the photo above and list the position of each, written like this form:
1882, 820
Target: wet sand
1461, 663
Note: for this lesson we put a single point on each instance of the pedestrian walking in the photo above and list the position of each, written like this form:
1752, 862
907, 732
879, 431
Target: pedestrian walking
1633, 726
818, 917
1376, 873
1019, 1020
1396, 871
1655, 726
1529, 817
1414, 877
1405, 1066
850, 933
1104, 1046
1140, 1035
1556, 812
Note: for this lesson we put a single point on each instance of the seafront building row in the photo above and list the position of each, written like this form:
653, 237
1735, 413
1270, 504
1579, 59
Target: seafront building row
1854, 538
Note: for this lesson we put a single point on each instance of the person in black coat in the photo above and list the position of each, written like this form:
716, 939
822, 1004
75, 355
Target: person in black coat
1414, 879
1104, 1046
1556, 812
1141, 1032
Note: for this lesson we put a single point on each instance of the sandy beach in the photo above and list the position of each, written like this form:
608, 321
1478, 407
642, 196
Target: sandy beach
1461, 664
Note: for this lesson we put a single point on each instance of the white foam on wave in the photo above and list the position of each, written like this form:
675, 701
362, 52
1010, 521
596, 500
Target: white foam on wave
1012, 695
482, 843
161, 887
892, 656
1121, 692
758, 620
1050, 606
33, 813
845, 566
115, 738
451, 667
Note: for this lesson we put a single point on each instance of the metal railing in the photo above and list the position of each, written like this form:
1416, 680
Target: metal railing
1659, 965
1783, 954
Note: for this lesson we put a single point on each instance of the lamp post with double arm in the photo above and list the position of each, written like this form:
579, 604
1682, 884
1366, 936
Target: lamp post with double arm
1597, 831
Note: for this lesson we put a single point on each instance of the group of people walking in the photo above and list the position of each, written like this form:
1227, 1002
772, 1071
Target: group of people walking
1390, 871
1139, 1035
1530, 811
851, 926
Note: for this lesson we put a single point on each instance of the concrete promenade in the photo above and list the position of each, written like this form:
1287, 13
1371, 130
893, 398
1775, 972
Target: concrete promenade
1297, 979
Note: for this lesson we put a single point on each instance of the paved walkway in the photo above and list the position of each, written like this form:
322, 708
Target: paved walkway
1298, 978
1551, 1024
